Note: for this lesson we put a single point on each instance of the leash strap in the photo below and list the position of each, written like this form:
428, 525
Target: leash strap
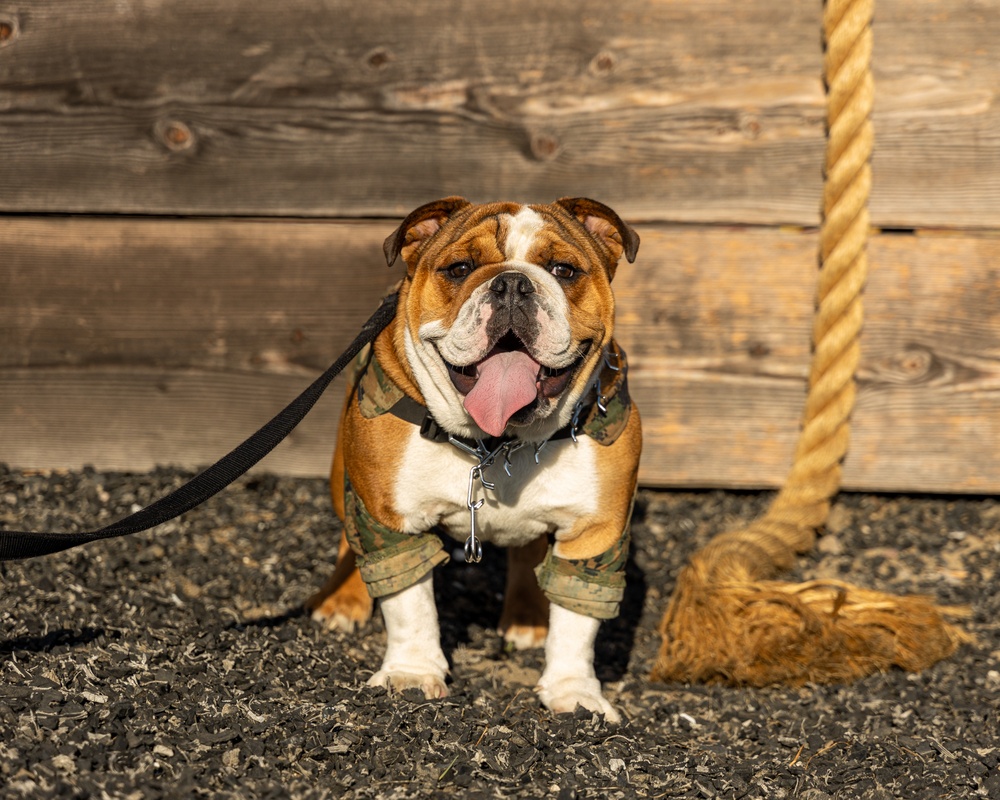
23, 544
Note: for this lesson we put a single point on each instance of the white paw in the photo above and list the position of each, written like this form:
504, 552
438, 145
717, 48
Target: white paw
431, 684
565, 695
413, 657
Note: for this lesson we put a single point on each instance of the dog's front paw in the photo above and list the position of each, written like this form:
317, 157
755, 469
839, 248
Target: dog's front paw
431, 684
564, 695
413, 657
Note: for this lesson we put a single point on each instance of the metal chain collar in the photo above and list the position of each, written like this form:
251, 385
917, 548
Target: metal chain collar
505, 449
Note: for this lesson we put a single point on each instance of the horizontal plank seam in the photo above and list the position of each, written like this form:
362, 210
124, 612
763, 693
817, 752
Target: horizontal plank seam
893, 231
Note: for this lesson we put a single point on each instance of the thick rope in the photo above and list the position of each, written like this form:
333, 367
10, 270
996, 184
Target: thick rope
727, 620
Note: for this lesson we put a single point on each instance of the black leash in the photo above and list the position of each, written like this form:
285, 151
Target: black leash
23, 544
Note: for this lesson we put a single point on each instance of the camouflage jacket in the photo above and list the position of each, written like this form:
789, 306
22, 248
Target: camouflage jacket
390, 561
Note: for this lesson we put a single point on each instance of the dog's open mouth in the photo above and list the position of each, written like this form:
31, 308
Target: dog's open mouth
506, 381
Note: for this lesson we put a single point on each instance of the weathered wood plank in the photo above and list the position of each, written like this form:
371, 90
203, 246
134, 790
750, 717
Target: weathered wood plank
725, 340
930, 378
235, 296
137, 419
937, 120
104, 320
348, 109
691, 111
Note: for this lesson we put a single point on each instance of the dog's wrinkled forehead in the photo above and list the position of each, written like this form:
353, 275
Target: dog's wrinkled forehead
520, 234
498, 232
512, 234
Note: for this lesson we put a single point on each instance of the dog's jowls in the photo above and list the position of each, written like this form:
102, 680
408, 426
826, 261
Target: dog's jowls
503, 341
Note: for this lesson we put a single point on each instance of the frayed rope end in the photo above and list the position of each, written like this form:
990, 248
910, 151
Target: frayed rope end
757, 633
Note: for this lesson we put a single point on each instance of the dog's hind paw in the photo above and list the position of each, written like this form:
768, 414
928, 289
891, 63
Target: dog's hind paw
431, 685
566, 694
341, 611
524, 637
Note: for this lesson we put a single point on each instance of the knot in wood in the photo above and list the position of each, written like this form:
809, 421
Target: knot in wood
378, 58
175, 135
915, 362
749, 126
545, 146
9, 30
603, 63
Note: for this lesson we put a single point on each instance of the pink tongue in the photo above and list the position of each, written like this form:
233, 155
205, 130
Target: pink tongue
505, 385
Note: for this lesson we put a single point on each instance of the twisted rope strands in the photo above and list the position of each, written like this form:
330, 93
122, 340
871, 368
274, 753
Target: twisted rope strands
815, 474
726, 620
738, 558
803, 503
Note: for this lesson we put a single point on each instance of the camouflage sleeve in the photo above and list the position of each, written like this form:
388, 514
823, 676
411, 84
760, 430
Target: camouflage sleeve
388, 560
593, 587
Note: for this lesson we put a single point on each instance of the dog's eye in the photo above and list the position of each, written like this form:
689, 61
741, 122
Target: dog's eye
562, 270
459, 270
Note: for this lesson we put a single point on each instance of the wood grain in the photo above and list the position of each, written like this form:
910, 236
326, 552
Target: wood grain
331, 109
141, 418
127, 343
691, 111
236, 296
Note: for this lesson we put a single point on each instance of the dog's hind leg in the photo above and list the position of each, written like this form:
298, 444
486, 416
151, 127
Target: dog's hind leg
343, 603
524, 621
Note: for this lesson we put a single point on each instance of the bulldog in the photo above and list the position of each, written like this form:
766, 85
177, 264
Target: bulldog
494, 407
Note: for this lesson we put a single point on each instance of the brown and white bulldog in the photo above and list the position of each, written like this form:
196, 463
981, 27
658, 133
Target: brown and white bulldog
493, 407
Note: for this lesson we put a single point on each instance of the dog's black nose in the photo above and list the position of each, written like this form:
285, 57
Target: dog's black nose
509, 284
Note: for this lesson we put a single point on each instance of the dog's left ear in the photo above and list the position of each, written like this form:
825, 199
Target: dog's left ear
419, 225
605, 225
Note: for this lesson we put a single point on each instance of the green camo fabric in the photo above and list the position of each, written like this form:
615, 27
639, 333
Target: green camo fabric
388, 560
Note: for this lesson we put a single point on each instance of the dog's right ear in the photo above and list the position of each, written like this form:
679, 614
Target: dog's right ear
419, 225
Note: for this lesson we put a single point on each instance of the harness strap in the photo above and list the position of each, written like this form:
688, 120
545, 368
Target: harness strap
23, 544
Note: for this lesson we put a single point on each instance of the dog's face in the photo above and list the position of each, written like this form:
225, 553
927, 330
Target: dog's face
507, 309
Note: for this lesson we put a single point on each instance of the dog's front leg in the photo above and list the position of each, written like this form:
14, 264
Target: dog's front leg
413, 656
569, 680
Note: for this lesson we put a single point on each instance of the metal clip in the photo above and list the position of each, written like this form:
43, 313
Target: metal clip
473, 547
574, 424
486, 457
602, 403
538, 450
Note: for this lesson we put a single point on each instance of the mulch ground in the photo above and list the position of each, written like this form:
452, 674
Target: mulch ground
177, 663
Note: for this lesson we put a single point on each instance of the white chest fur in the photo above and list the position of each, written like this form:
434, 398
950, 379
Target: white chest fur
547, 497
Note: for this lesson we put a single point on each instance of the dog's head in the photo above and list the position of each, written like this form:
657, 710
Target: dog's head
507, 309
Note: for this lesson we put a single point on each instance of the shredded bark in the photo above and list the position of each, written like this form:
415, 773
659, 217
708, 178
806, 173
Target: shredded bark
178, 663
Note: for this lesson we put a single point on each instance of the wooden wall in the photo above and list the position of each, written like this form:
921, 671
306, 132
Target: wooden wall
193, 197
